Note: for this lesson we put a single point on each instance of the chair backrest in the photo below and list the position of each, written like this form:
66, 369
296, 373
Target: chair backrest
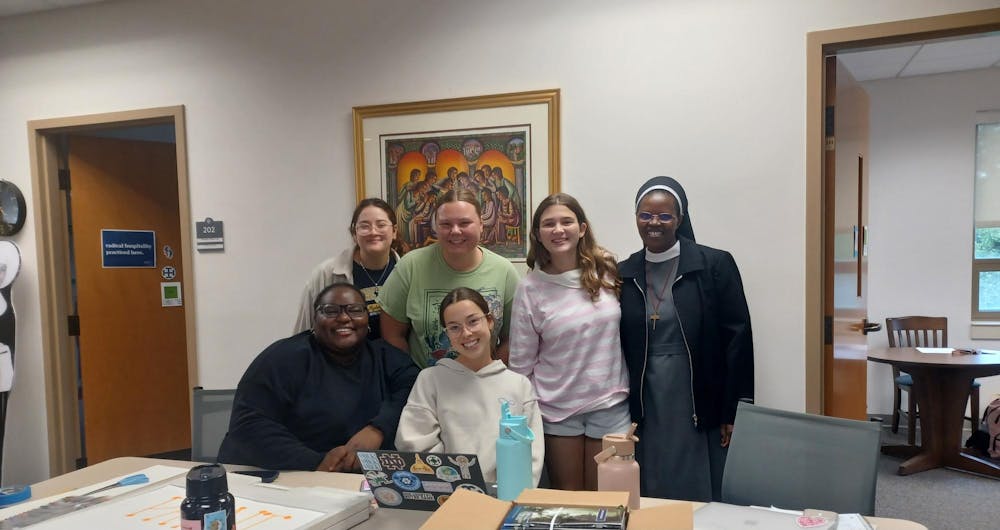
210, 410
797, 461
913, 332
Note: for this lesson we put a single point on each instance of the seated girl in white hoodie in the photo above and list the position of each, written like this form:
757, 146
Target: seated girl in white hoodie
454, 406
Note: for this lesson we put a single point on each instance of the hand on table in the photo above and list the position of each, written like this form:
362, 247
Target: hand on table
345, 457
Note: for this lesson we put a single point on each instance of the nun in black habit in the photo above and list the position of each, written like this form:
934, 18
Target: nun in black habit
687, 341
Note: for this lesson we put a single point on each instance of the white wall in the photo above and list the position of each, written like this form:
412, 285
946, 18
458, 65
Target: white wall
710, 92
922, 164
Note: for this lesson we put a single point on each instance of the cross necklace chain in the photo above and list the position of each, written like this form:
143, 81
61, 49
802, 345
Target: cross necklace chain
378, 283
657, 299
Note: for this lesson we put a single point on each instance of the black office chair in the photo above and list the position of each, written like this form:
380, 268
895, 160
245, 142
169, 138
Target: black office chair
210, 410
796, 461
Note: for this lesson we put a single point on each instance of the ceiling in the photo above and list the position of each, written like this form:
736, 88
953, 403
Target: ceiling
885, 62
19, 7
930, 57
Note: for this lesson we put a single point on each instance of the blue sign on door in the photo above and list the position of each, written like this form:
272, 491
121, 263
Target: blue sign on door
128, 248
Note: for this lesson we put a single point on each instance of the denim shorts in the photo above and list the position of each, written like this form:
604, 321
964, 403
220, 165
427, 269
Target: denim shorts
594, 424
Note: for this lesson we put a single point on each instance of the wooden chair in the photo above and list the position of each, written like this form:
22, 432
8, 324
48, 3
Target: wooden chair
914, 332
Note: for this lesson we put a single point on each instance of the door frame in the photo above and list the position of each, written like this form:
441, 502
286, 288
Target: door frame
818, 45
52, 242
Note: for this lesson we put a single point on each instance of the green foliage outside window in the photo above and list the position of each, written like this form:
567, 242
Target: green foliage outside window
986, 217
989, 291
988, 247
987, 243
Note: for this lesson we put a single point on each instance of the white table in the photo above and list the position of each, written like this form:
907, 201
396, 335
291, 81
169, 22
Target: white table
382, 519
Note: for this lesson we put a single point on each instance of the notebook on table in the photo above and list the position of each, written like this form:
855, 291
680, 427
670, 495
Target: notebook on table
419, 481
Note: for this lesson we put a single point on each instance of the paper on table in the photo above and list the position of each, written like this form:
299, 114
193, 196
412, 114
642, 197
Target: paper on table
852, 521
161, 507
774, 508
155, 473
936, 350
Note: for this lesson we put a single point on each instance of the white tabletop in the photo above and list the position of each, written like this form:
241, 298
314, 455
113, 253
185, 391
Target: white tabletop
382, 519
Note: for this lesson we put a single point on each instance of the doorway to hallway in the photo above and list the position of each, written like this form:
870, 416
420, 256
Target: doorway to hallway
821, 265
117, 293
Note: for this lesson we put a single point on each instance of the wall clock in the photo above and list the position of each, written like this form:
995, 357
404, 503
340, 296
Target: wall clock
12, 208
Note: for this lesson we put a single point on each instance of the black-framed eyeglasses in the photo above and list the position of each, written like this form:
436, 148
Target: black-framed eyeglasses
663, 217
334, 310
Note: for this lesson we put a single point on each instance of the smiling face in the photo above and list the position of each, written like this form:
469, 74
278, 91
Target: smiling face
470, 331
374, 231
559, 231
656, 235
341, 334
459, 228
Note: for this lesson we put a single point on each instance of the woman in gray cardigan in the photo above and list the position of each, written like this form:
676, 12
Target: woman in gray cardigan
367, 265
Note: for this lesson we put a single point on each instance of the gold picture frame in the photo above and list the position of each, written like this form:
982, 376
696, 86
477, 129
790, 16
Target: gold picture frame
505, 147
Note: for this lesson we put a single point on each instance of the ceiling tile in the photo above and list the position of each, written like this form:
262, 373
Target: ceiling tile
20, 7
878, 63
955, 55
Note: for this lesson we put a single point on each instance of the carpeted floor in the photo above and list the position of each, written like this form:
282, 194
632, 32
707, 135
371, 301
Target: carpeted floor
940, 499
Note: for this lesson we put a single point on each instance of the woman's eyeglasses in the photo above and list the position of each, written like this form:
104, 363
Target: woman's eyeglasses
663, 217
334, 310
471, 324
368, 228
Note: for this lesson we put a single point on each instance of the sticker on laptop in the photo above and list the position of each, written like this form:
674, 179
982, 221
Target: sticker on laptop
419, 481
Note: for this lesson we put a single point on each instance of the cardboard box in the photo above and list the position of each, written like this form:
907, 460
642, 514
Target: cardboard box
467, 510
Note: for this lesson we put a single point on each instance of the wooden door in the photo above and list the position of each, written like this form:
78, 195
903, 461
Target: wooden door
846, 180
133, 356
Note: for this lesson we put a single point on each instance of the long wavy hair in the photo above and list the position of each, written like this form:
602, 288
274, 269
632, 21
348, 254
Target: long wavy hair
598, 269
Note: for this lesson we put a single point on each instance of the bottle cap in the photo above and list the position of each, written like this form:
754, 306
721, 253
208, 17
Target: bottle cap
607, 453
512, 426
14, 494
208, 480
624, 444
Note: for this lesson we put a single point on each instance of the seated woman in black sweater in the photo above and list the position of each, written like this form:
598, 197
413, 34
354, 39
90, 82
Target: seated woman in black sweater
310, 401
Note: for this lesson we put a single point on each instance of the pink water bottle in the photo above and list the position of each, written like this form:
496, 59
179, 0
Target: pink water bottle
617, 469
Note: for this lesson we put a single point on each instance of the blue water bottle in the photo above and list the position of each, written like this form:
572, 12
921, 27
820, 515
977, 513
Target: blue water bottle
513, 454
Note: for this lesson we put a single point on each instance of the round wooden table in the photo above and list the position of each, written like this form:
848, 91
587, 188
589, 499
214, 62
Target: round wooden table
941, 384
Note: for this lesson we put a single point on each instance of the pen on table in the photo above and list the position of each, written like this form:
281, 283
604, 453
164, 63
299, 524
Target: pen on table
139, 478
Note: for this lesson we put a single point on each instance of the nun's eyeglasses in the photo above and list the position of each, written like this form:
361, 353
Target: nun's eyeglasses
663, 217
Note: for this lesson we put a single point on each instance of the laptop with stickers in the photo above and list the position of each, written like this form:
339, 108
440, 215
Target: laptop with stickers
420, 481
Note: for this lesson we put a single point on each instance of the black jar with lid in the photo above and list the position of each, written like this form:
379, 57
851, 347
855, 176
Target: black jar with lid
209, 505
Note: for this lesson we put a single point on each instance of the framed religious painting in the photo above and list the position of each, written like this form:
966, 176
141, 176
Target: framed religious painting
504, 148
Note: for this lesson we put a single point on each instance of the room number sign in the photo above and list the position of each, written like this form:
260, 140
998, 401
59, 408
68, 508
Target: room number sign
209, 235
